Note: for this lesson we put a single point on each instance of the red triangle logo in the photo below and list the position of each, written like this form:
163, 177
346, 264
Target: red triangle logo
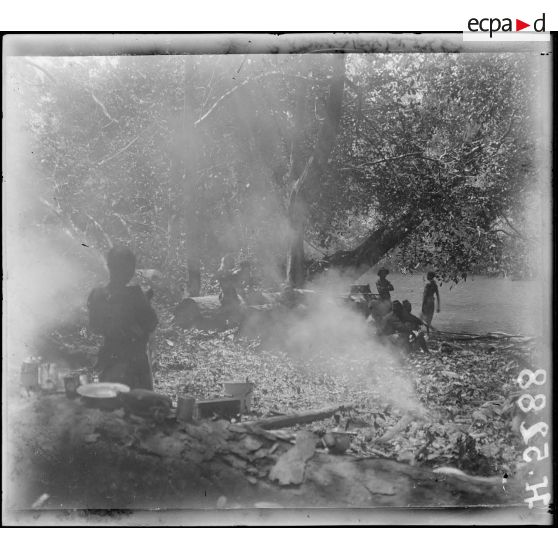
519, 25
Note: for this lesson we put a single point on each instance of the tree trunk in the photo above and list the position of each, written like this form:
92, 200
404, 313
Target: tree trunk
296, 265
308, 180
371, 250
194, 276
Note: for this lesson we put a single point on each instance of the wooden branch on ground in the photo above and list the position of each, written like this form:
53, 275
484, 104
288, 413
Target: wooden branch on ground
304, 417
491, 336
458, 474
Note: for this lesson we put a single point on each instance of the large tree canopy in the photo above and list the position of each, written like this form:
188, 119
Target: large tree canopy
423, 158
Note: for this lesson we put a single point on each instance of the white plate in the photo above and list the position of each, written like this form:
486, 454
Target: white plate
102, 390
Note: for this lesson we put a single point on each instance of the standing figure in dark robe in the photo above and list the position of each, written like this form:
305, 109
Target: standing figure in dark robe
123, 315
228, 281
383, 285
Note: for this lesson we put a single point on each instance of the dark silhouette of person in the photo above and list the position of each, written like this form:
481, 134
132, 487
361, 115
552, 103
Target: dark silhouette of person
381, 307
401, 331
228, 281
232, 281
123, 315
416, 324
383, 285
430, 290
393, 322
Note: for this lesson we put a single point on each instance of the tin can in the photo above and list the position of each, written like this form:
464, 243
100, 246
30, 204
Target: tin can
71, 383
84, 376
30, 373
185, 408
242, 390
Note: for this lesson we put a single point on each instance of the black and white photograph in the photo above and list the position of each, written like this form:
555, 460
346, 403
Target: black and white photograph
301, 278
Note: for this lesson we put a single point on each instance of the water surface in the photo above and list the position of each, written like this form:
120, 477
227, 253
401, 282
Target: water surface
480, 304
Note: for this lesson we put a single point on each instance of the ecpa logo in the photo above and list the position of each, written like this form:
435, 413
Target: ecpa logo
496, 25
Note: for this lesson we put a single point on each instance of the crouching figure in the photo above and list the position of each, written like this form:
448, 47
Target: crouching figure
401, 328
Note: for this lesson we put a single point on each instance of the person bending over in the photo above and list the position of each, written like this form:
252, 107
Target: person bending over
416, 324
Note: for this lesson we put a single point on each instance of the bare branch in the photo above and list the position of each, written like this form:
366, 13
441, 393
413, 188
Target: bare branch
508, 130
103, 108
148, 226
388, 159
518, 233
242, 84
513, 235
127, 146
99, 228
48, 74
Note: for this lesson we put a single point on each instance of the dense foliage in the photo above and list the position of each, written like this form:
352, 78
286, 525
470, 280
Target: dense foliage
186, 158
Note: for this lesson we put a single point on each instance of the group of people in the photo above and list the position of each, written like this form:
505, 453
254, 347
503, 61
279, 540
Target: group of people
123, 315
394, 319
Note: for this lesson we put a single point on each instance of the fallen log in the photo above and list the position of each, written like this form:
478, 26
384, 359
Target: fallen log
305, 417
206, 312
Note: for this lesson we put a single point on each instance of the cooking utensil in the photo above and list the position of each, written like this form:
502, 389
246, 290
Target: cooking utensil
338, 441
241, 390
102, 394
71, 384
30, 373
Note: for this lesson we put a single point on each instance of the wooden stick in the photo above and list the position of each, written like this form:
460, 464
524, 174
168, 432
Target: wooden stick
304, 417
128, 145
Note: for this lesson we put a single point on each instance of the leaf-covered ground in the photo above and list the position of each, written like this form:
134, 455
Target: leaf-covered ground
452, 407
